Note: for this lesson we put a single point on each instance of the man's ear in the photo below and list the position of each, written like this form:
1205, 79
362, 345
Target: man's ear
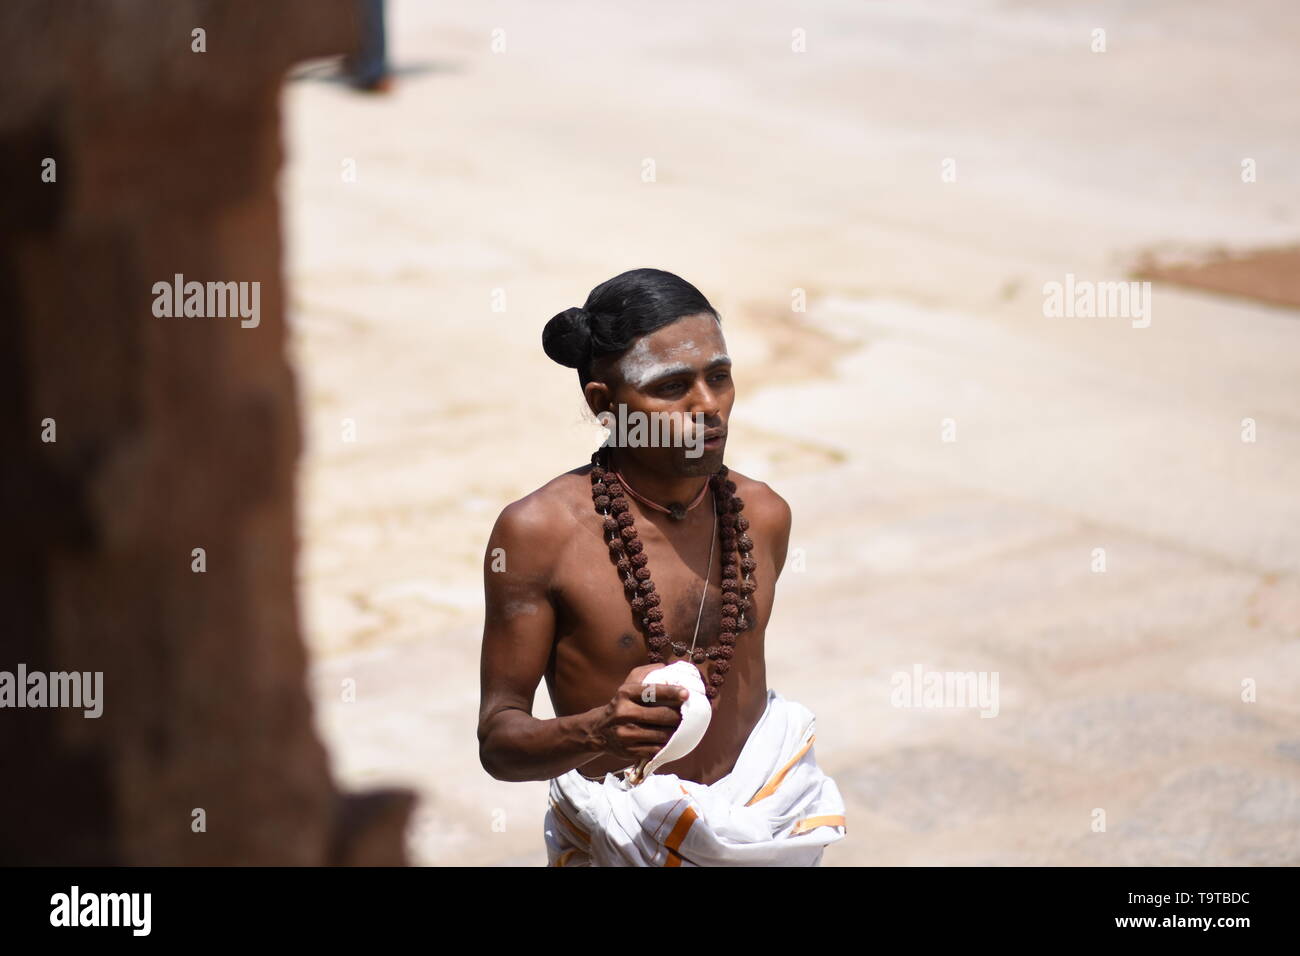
598, 396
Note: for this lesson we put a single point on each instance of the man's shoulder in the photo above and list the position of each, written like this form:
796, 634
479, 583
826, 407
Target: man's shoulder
554, 507
762, 503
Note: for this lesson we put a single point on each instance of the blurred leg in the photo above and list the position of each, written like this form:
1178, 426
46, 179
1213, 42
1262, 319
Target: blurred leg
371, 64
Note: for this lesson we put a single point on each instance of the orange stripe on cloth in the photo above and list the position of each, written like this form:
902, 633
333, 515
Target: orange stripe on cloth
812, 823
769, 788
674, 841
686, 795
565, 855
667, 816
569, 825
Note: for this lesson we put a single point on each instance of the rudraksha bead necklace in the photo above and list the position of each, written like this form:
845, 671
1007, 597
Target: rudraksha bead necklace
628, 554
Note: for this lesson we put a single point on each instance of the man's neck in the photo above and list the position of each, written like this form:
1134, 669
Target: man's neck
661, 489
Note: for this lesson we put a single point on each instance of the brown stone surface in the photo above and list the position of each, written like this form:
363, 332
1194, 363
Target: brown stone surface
172, 434
821, 172
1266, 275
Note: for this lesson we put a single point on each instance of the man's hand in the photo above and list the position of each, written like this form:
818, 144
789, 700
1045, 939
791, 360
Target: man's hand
640, 718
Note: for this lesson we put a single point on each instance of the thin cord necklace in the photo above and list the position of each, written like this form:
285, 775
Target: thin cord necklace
708, 573
675, 511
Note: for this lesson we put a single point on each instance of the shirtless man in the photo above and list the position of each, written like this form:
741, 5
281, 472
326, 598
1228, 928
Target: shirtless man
650, 341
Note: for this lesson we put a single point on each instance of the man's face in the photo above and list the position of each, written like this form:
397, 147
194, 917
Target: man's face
676, 380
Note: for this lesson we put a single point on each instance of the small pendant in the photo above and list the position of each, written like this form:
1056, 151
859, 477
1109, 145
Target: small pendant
676, 512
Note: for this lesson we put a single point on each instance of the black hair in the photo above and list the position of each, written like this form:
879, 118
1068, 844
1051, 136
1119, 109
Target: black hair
617, 313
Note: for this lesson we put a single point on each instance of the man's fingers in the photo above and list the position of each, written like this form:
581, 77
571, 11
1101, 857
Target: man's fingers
643, 735
658, 716
669, 694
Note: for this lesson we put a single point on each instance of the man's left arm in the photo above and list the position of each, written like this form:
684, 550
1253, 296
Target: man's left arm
774, 513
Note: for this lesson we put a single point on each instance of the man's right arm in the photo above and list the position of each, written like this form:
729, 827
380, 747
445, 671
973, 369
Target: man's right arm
518, 632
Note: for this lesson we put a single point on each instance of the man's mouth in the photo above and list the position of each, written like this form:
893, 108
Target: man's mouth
714, 437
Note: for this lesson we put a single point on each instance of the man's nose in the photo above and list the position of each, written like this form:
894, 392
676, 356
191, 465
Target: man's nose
704, 401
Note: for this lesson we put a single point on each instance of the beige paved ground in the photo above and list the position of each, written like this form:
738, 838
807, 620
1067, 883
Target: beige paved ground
521, 171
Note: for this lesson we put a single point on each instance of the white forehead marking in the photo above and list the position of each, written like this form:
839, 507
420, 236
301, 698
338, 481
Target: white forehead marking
639, 368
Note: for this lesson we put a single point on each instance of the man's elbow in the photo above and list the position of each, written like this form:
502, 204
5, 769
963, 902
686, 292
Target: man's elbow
502, 769
491, 763
496, 762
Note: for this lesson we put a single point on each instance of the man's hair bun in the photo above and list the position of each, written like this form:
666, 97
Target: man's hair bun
617, 313
567, 338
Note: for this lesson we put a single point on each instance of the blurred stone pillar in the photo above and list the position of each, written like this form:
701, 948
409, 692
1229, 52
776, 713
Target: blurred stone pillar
171, 434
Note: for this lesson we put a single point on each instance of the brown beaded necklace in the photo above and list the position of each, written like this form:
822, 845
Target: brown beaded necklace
628, 554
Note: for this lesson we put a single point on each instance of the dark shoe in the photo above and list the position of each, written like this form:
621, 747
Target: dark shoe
382, 84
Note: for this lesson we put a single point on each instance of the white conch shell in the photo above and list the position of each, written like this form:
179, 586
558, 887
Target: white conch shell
696, 712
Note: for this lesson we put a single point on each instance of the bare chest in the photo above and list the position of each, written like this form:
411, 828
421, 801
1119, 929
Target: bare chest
599, 637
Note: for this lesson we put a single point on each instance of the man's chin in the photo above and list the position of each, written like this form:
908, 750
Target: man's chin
709, 461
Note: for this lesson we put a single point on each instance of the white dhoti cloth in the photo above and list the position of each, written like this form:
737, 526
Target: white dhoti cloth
775, 808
